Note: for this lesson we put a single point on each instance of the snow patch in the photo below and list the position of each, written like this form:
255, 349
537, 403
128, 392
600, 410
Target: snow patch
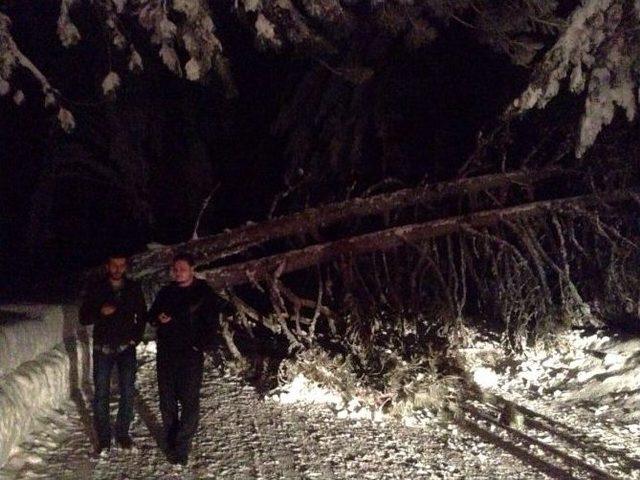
302, 390
32, 389
27, 331
42, 359
485, 377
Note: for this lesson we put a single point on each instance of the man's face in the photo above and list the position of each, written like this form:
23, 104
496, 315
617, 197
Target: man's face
116, 268
182, 272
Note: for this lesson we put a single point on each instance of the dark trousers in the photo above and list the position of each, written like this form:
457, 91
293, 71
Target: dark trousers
179, 382
102, 366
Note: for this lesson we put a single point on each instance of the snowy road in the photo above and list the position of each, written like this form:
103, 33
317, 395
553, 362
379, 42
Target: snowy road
242, 436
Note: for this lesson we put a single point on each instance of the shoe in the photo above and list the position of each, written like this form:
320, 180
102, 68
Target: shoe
103, 449
177, 458
124, 441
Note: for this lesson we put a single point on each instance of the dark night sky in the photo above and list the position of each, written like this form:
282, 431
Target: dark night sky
444, 95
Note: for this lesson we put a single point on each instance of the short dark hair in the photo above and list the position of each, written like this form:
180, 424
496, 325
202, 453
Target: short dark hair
117, 254
184, 257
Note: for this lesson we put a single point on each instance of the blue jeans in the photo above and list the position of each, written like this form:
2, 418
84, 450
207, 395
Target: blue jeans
102, 366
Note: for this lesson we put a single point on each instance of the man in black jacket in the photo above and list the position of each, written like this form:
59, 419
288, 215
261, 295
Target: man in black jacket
185, 313
116, 308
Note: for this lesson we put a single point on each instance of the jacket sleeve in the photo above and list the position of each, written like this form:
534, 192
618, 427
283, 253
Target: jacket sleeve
90, 307
141, 315
211, 309
156, 308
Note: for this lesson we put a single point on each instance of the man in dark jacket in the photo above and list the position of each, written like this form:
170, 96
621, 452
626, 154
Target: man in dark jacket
185, 313
116, 308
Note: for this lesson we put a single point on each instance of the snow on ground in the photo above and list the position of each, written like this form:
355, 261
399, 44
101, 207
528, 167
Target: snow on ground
565, 412
29, 330
41, 361
581, 396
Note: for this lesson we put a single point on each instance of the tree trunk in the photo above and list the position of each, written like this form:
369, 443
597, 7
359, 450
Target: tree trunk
255, 270
235, 241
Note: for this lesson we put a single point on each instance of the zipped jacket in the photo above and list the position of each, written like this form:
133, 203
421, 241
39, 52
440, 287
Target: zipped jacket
124, 326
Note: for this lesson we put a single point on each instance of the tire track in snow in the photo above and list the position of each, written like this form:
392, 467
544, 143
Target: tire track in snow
561, 454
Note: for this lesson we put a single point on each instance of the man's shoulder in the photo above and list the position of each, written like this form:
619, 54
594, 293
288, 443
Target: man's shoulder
133, 284
201, 282
95, 287
202, 285
167, 289
198, 285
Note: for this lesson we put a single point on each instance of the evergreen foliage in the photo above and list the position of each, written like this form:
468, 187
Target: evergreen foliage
593, 44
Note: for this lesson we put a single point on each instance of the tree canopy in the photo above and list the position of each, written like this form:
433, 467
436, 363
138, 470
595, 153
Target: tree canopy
588, 47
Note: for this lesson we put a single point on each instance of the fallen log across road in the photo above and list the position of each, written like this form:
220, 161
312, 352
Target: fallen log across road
226, 244
262, 268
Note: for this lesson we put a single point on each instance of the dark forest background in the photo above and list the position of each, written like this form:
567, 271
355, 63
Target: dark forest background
137, 169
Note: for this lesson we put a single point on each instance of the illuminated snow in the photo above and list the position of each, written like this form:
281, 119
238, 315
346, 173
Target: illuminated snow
485, 377
27, 331
586, 384
37, 369
303, 390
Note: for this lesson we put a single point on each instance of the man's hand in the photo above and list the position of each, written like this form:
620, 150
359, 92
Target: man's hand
107, 309
164, 318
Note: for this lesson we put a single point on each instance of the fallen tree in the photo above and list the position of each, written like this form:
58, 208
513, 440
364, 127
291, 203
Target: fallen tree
500, 254
308, 222
530, 269
255, 270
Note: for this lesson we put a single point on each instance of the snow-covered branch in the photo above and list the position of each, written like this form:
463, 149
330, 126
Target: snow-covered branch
595, 49
596, 52
195, 34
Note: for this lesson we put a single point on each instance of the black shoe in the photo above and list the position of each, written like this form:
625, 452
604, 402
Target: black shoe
102, 449
177, 458
124, 441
